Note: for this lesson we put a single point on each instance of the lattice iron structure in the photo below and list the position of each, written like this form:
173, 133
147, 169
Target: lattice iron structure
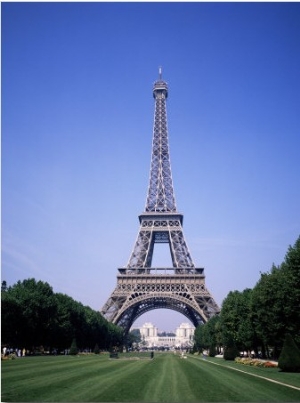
141, 287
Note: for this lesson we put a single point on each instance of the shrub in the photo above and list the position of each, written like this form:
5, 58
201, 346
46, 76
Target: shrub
289, 359
230, 351
212, 350
73, 348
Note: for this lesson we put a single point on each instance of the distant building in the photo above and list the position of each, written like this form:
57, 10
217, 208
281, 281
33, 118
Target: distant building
183, 337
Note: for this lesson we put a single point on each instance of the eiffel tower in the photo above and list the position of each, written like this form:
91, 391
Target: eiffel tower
141, 287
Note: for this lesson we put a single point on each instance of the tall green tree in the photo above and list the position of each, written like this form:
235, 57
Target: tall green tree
133, 338
291, 298
237, 320
201, 338
12, 320
276, 302
36, 301
289, 359
267, 310
208, 336
73, 348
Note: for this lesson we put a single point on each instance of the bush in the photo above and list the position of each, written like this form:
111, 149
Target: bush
73, 348
230, 351
289, 359
212, 350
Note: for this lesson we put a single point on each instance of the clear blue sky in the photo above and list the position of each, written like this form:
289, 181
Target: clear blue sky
77, 118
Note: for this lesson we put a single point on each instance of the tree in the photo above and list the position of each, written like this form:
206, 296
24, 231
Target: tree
115, 336
214, 335
64, 328
3, 286
33, 315
237, 320
12, 320
73, 348
218, 334
259, 317
133, 338
291, 291
201, 338
230, 350
36, 301
289, 359
212, 349
96, 349
267, 305
276, 302
207, 336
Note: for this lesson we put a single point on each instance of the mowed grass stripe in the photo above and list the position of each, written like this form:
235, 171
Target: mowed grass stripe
169, 382
70, 379
21, 378
243, 385
145, 380
28, 365
262, 377
210, 385
160, 380
121, 381
167, 378
103, 383
171, 379
88, 379
131, 385
289, 378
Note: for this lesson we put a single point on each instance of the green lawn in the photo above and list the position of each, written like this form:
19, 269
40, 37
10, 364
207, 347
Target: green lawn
166, 378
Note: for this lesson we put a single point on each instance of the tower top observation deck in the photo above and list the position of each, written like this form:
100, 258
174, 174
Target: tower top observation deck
160, 86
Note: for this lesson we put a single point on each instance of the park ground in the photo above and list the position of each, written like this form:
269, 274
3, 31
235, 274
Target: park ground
138, 378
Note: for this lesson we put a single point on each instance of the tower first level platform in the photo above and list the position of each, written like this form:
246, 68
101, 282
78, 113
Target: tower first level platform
143, 290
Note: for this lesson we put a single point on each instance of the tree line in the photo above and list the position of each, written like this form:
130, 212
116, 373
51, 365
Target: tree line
32, 315
258, 319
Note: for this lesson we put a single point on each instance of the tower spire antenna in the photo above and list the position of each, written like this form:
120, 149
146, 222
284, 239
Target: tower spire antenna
160, 72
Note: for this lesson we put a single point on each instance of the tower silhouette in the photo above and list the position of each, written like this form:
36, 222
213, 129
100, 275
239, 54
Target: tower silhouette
141, 287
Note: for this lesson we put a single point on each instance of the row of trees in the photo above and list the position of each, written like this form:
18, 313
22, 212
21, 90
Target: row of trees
258, 319
33, 315
255, 319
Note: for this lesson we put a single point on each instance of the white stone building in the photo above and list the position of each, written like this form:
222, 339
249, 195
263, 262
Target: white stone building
183, 337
